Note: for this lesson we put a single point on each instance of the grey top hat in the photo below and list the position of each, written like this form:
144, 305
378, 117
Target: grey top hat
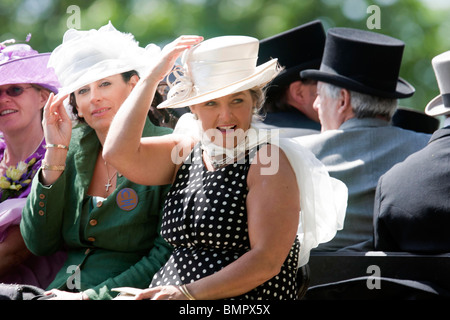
440, 105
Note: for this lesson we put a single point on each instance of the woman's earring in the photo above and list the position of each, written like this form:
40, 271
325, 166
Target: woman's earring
195, 116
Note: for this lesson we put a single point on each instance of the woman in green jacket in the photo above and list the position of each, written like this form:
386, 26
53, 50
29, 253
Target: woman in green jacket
108, 224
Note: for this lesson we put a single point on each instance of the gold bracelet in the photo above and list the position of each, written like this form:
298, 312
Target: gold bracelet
45, 166
58, 146
186, 292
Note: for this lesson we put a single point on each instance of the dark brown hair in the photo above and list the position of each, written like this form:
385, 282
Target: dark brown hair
126, 76
276, 96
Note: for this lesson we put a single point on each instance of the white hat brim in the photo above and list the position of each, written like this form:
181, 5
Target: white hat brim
95, 74
263, 74
436, 107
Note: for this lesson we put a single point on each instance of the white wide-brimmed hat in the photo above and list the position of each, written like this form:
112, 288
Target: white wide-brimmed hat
440, 105
216, 68
87, 56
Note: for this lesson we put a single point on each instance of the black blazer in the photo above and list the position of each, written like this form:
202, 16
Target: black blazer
412, 201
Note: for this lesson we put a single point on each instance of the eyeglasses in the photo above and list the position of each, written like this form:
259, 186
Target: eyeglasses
14, 91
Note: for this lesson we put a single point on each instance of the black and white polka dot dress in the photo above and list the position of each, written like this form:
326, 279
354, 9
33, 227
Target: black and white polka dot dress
205, 220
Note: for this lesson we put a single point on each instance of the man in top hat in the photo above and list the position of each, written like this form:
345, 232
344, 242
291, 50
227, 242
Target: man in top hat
358, 87
411, 203
289, 98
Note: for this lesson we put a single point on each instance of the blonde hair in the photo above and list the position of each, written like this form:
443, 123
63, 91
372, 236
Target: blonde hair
258, 94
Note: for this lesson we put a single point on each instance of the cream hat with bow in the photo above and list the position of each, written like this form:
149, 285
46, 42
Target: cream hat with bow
216, 68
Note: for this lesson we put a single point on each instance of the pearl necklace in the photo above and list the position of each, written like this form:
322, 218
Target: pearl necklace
220, 156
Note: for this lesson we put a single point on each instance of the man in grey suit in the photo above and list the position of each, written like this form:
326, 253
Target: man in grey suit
358, 88
412, 207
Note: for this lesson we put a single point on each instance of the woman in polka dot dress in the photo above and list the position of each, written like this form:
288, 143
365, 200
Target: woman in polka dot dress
205, 220
232, 213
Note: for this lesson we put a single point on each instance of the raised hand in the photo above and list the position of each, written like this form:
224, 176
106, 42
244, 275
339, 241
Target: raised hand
170, 54
57, 127
56, 122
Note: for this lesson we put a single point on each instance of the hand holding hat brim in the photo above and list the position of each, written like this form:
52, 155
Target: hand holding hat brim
218, 67
171, 52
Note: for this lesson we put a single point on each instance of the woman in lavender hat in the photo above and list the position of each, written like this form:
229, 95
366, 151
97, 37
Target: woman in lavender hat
25, 85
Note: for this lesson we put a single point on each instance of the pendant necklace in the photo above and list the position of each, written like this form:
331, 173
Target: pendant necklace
108, 183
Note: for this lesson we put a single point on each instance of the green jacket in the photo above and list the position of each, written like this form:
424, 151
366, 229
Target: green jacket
106, 246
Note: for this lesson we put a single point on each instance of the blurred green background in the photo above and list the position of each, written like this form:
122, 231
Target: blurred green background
423, 25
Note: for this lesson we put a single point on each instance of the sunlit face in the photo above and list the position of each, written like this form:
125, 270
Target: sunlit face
20, 105
99, 101
226, 119
327, 109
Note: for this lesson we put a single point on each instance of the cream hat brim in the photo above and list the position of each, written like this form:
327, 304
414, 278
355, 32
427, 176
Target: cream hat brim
263, 74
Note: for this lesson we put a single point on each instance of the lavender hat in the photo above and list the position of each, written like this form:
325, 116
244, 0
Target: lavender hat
19, 63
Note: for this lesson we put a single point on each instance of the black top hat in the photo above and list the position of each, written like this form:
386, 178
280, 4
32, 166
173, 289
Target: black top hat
297, 49
362, 61
415, 120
